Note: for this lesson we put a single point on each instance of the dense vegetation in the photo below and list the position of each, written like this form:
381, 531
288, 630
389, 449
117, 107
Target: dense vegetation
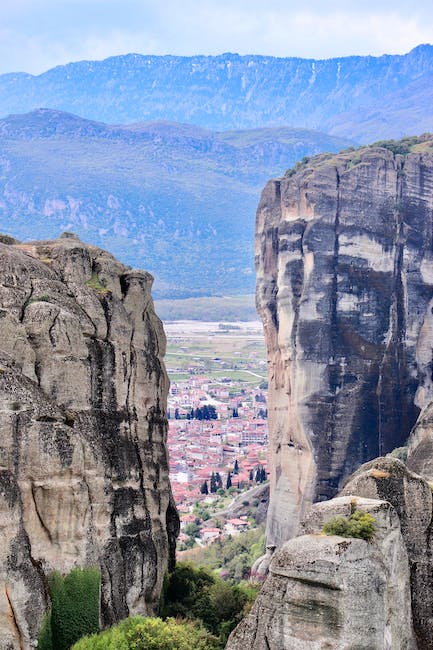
360, 524
74, 609
139, 633
199, 594
198, 610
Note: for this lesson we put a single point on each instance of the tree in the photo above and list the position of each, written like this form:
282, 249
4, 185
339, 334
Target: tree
192, 529
263, 476
251, 475
236, 467
75, 609
229, 481
218, 480
213, 485
204, 488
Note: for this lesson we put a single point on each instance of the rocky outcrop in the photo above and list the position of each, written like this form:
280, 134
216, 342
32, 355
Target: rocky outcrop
411, 496
329, 592
83, 458
344, 287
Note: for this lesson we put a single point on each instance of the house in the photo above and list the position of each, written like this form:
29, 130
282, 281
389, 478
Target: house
209, 535
235, 526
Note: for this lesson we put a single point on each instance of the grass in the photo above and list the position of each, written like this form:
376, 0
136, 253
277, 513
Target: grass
95, 283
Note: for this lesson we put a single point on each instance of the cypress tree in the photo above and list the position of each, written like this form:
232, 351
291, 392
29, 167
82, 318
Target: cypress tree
75, 609
213, 486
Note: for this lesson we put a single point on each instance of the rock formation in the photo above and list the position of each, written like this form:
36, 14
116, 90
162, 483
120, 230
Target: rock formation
334, 593
390, 480
345, 290
83, 460
326, 592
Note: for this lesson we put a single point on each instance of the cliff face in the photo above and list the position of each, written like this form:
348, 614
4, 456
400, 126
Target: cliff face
84, 472
326, 592
345, 287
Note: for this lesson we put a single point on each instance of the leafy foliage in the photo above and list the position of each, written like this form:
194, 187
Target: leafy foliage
74, 609
296, 168
403, 146
198, 594
138, 633
360, 524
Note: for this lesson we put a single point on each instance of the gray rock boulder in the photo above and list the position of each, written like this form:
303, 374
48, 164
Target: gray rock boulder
83, 457
411, 496
334, 593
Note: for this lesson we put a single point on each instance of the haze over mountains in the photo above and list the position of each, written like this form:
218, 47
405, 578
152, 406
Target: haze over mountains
178, 198
359, 97
175, 199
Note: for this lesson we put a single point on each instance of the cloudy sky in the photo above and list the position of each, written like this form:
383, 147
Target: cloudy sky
38, 34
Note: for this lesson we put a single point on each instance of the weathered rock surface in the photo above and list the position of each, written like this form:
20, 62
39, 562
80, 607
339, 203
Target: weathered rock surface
411, 496
334, 593
420, 444
83, 460
345, 288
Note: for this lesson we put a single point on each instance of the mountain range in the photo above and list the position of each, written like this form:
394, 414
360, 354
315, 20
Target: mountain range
176, 199
363, 98
161, 159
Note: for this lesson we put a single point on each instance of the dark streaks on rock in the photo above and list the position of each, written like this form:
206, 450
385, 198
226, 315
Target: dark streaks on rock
344, 287
83, 458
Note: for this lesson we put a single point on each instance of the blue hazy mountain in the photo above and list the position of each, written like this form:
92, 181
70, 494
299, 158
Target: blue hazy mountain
363, 98
175, 199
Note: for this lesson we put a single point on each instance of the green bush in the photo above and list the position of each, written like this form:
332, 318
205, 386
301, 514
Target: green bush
74, 610
138, 633
196, 593
360, 524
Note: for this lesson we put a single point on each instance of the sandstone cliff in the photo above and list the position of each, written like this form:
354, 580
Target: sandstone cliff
345, 288
329, 592
83, 460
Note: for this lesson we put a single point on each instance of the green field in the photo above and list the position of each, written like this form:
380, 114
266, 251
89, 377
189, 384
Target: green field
237, 354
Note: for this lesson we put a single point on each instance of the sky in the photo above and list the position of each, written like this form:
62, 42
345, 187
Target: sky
36, 35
